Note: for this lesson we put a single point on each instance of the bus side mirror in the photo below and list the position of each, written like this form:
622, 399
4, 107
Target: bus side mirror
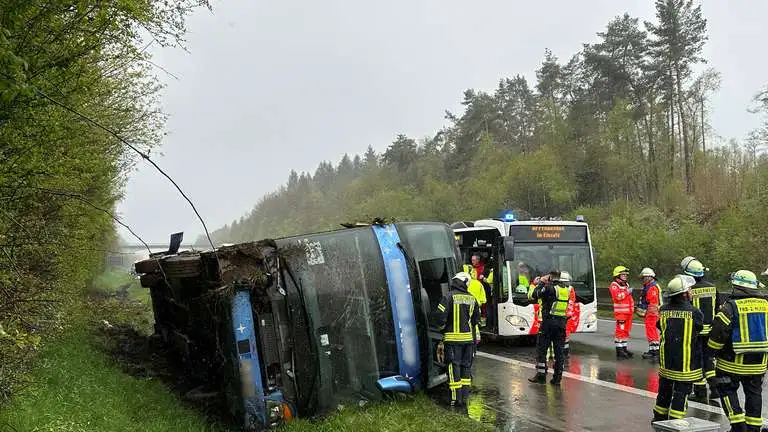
394, 384
509, 248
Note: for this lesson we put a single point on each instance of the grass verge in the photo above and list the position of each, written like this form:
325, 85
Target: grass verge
415, 414
95, 376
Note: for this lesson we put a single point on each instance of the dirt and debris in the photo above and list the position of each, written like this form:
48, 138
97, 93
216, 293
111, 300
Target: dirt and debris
242, 263
145, 357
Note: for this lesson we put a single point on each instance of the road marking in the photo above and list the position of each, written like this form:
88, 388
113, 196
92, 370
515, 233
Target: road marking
606, 384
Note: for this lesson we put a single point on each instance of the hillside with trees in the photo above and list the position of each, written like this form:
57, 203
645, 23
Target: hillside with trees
74, 76
618, 132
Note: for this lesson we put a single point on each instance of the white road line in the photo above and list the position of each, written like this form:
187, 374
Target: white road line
606, 384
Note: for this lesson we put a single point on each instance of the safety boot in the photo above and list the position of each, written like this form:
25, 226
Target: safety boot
555, 380
714, 393
621, 354
700, 392
539, 378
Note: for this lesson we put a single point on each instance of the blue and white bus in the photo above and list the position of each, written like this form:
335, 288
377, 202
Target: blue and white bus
537, 246
327, 319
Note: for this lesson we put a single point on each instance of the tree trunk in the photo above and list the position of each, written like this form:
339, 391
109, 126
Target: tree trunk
703, 135
672, 140
653, 175
686, 143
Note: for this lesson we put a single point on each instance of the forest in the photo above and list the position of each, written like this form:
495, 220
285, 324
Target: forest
78, 108
619, 132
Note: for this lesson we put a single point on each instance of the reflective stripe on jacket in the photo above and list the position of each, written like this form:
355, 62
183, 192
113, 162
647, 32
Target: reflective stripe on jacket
738, 336
680, 355
458, 315
623, 303
704, 296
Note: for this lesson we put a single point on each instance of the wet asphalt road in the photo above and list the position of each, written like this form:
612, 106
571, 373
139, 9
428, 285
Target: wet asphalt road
597, 393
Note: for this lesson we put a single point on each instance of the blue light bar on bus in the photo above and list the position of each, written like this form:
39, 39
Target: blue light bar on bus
508, 216
579, 218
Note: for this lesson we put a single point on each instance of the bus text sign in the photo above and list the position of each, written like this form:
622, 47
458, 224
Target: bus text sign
548, 233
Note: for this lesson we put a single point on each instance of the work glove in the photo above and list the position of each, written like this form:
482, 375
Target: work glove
441, 353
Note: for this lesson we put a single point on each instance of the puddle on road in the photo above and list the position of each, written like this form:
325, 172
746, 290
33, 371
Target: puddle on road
504, 398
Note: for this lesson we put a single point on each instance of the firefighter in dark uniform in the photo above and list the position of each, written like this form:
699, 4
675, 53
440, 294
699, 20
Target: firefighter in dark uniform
554, 304
680, 356
458, 316
739, 342
705, 298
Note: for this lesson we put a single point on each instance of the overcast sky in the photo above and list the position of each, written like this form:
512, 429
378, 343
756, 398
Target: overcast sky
270, 86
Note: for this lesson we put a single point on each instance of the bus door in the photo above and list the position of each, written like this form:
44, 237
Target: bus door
482, 241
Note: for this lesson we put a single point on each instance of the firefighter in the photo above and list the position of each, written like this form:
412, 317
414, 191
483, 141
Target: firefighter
649, 309
680, 360
458, 316
478, 292
623, 308
573, 313
705, 298
477, 271
554, 305
738, 342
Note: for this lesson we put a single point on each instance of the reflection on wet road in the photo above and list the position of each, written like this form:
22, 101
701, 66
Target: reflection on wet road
597, 393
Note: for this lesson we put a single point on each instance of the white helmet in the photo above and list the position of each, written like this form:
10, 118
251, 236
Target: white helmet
765, 273
464, 277
647, 272
565, 276
679, 284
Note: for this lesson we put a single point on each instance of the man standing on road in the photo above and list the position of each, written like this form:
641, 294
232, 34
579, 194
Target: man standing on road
553, 308
623, 309
649, 309
738, 339
705, 299
457, 316
680, 362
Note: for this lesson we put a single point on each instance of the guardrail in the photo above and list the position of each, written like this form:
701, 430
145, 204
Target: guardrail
604, 296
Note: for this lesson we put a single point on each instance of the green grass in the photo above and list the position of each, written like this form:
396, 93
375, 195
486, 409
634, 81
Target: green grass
114, 279
78, 386
416, 414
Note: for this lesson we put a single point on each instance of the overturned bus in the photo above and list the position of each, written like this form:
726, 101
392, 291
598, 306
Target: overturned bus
296, 326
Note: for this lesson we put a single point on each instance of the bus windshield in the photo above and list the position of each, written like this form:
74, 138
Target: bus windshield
539, 259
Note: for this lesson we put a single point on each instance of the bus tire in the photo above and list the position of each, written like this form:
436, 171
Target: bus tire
529, 340
182, 266
147, 266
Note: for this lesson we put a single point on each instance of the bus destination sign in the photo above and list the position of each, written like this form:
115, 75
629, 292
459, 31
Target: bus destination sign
548, 233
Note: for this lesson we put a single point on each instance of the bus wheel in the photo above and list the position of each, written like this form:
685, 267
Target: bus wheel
529, 340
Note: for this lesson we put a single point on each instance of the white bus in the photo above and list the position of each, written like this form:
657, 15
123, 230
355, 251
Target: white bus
540, 246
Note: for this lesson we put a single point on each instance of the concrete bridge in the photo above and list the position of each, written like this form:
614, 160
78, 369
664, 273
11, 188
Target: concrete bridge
159, 247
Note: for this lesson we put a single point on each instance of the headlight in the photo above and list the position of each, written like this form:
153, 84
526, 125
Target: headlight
591, 319
517, 321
